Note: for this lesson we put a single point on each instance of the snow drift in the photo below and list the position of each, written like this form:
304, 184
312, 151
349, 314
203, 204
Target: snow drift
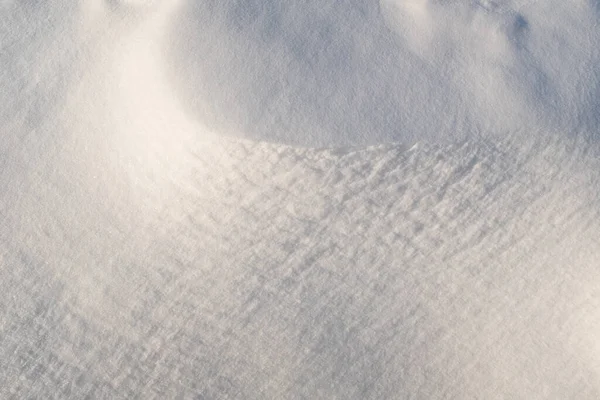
356, 72
171, 225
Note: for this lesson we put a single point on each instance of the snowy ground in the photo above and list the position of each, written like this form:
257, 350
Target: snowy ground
301, 199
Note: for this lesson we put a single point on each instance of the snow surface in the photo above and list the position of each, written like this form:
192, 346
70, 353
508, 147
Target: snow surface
300, 199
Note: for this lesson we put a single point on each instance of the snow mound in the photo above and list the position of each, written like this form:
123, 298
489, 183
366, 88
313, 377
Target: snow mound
346, 72
319, 73
145, 252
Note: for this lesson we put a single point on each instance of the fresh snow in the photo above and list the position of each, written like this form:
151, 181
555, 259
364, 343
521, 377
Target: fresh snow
300, 199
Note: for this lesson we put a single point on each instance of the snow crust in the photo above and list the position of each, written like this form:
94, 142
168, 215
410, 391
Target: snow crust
299, 199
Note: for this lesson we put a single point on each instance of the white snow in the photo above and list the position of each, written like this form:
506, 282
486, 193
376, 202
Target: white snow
300, 199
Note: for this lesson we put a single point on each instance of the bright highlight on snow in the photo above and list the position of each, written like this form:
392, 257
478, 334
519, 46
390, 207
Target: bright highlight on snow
300, 199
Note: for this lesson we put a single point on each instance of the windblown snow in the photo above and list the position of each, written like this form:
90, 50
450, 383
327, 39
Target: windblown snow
254, 199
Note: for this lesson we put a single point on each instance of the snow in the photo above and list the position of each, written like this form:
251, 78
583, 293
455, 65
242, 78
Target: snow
299, 199
321, 73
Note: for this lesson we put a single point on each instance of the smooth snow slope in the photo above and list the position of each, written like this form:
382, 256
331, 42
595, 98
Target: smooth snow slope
331, 72
147, 253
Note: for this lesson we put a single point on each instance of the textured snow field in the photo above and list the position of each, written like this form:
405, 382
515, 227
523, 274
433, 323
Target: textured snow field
301, 199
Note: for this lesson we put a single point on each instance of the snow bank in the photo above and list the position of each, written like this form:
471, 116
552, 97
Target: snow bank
353, 72
329, 73
149, 249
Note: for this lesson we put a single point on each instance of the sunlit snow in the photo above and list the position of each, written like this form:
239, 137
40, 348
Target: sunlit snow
298, 199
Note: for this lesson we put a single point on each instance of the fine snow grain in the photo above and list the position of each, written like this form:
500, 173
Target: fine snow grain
299, 199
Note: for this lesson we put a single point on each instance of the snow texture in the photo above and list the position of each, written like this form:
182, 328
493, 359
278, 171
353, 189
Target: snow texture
300, 199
